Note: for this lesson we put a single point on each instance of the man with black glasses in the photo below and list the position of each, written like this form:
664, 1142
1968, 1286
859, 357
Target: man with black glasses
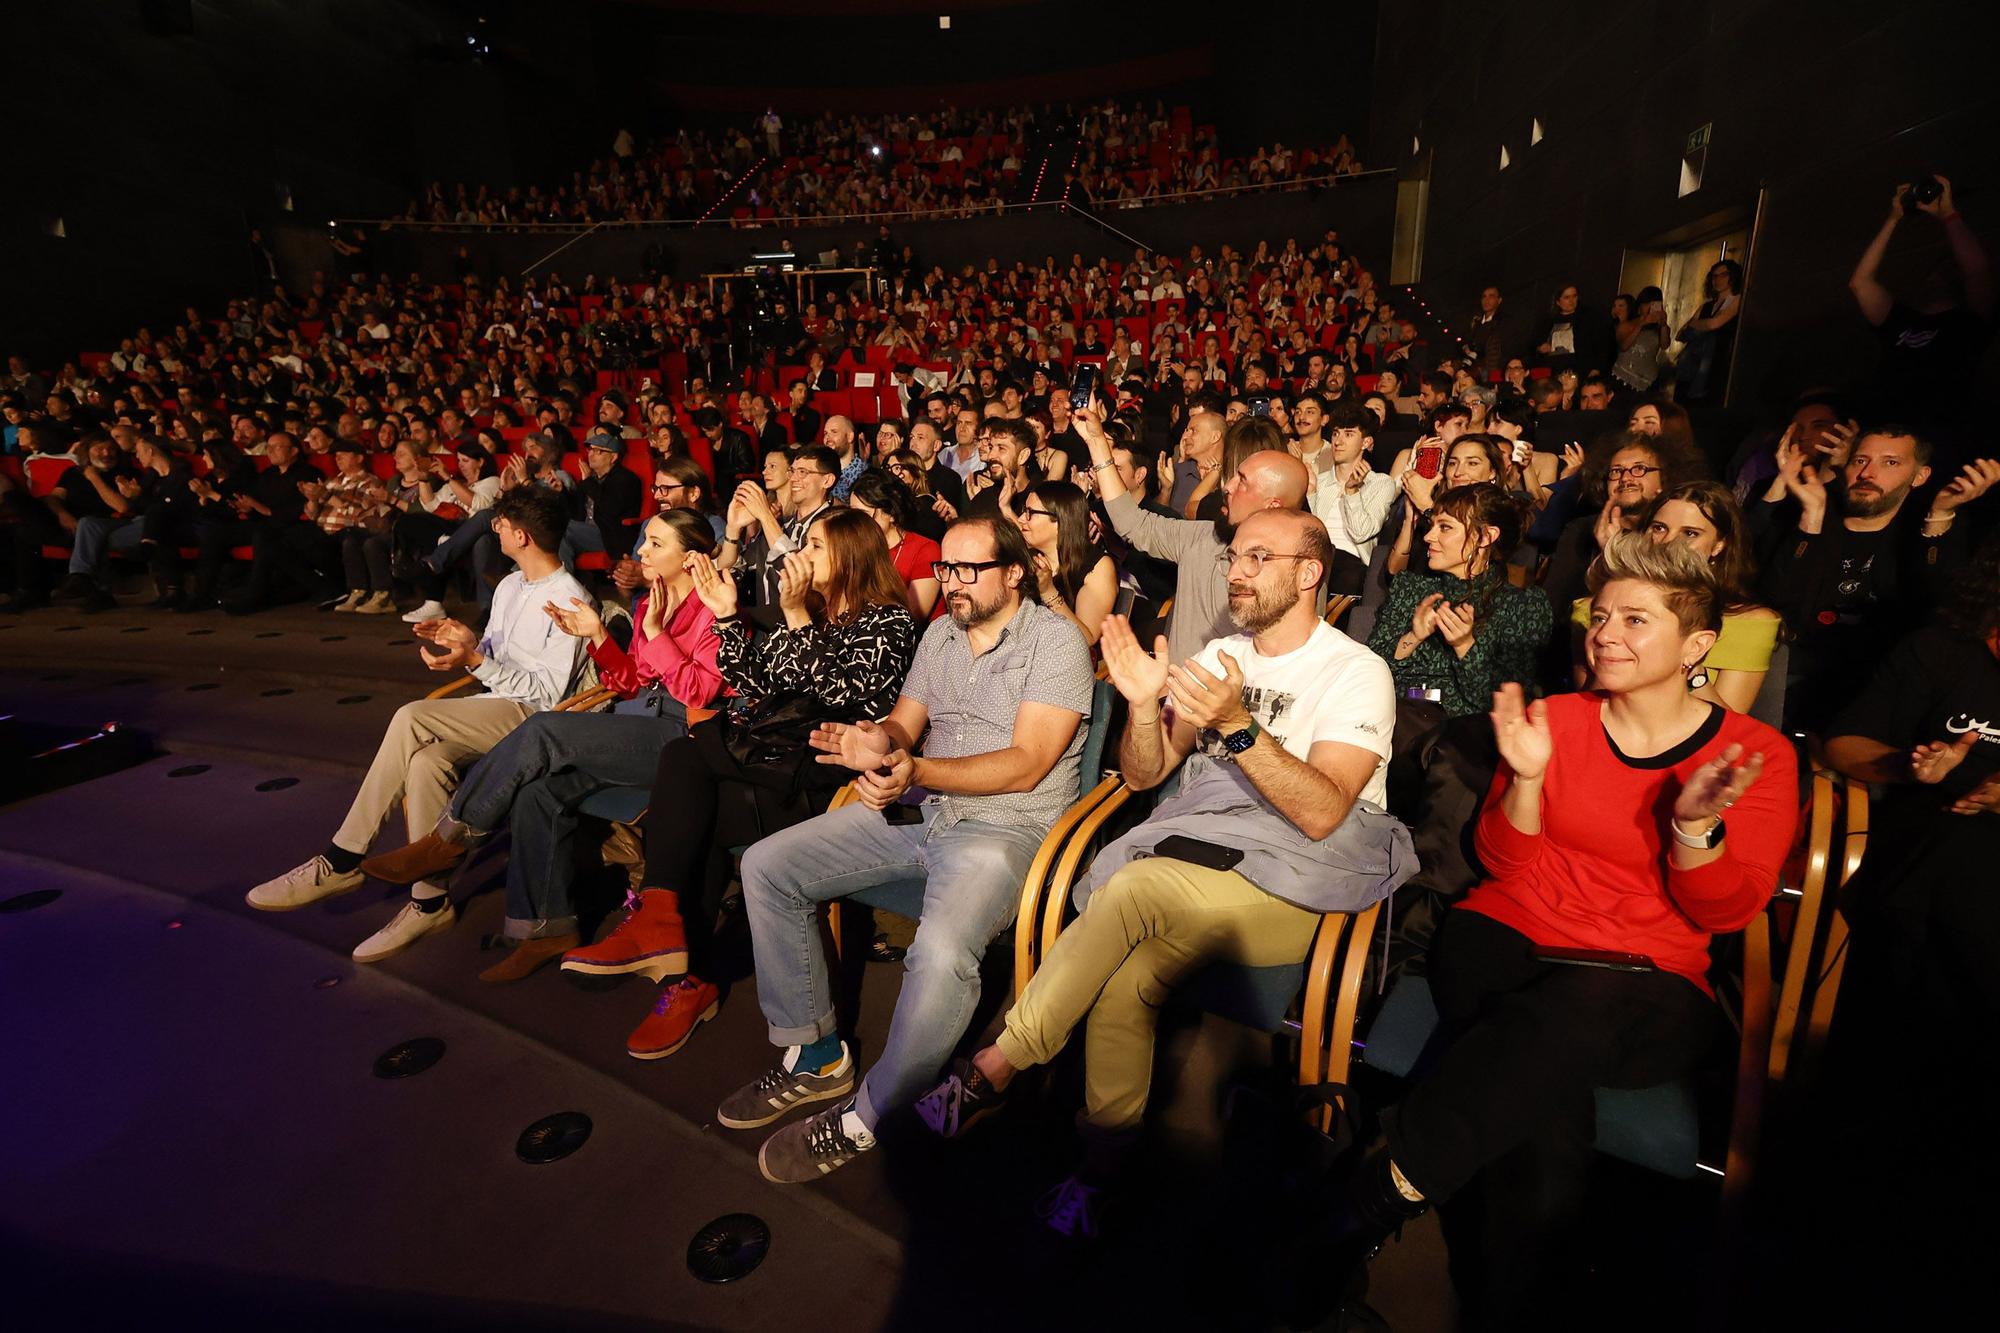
998, 697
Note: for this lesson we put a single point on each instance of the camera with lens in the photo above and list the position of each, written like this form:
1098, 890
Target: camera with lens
1925, 191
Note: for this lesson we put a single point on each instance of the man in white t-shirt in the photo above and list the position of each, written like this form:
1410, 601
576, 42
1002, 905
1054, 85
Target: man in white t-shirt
1279, 818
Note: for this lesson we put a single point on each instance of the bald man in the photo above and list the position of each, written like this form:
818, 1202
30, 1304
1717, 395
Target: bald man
1268, 479
1200, 454
838, 435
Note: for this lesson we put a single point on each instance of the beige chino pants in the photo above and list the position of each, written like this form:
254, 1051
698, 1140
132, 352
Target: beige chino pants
1154, 923
427, 745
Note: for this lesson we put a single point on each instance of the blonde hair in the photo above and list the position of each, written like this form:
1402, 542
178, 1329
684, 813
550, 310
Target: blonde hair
1686, 582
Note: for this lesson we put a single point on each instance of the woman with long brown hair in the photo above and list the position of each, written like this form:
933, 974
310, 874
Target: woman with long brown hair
846, 641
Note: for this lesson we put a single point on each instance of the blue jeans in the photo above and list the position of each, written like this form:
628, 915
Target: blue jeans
579, 536
971, 875
535, 779
473, 538
98, 535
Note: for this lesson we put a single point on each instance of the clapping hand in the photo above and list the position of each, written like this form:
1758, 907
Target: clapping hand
656, 609
1978, 477
860, 746
1455, 625
1716, 786
1207, 702
1931, 762
1521, 733
1983, 799
1802, 481
1610, 522
1423, 617
716, 589
578, 620
794, 581
1837, 443
1137, 674
1572, 458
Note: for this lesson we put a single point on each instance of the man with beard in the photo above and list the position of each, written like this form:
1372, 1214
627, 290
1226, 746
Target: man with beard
1266, 480
998, 696
1292, 722
1850, 589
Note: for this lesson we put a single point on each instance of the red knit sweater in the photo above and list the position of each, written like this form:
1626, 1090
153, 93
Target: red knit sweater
1599, 876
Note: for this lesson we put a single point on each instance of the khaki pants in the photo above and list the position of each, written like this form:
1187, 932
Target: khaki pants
426, 746
1153, 923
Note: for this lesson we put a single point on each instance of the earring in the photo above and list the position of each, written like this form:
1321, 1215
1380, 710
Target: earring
1697, 675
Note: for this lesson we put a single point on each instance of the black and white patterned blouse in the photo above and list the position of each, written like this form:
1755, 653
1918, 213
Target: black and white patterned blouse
855, 669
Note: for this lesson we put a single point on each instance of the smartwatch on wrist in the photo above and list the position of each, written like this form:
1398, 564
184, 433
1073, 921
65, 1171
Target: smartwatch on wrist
1236, 742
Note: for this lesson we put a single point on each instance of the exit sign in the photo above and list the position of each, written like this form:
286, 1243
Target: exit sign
1698, 140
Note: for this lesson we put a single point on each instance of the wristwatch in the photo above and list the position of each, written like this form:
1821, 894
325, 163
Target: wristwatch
1705, 841
1236, 742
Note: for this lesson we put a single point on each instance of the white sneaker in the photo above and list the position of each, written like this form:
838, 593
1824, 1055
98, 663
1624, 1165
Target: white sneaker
296, 888
354, 598
380, 604
428, 611
404, 929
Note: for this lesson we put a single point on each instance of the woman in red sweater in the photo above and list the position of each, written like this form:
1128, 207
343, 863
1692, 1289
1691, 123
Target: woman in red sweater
1604, 831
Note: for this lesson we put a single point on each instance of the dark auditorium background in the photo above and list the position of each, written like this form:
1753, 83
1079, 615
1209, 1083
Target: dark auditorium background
132, 127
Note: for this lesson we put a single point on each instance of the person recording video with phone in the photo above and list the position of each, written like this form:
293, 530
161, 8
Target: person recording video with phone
1625, 827
1280, 816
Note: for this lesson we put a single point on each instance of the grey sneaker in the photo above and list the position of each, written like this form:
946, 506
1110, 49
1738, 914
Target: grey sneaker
302, 885
781, 1088
817, 1146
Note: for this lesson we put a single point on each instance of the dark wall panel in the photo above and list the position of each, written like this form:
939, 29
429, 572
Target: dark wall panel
1823, 104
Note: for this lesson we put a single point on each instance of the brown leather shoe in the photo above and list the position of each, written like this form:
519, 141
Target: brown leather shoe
428, 856
523, 958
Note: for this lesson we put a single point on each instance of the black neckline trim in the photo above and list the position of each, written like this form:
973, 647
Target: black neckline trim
1703, 734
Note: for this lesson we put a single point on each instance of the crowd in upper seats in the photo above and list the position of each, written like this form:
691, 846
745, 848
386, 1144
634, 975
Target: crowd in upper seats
1582, 627
955, 163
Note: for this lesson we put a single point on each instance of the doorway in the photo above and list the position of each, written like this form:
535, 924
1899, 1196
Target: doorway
1678, 262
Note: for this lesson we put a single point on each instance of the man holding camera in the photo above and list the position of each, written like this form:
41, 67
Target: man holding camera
1932, 343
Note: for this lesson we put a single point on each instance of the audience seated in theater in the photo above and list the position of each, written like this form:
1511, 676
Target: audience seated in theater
453, 517
1268, 480
1604, 830
754, 526
999, 696
679, 483
1349, 496
1623, 473
838, 655
1073, 576
1466, 460
270, 519
1703, 514
1280, 734
533, 781
1454, 635
611, 500
888, 504
1007, 469
97, 502
1922, 974
526, 664
1864, 561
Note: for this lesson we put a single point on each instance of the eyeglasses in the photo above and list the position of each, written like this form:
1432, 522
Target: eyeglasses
1029, 511
809, 472
962, 571
1637, 472
1229, 559
669, 490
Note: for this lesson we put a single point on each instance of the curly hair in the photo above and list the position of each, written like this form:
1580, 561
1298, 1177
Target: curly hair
1679, 462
